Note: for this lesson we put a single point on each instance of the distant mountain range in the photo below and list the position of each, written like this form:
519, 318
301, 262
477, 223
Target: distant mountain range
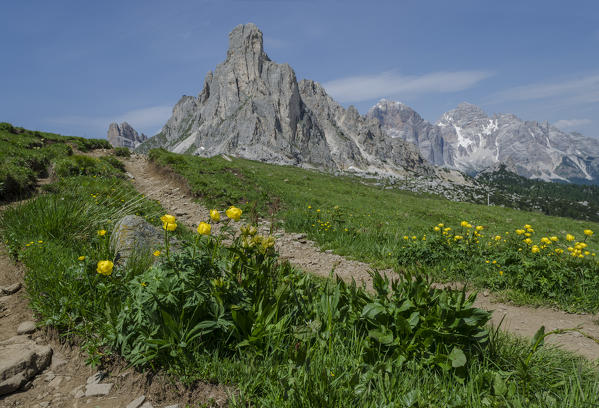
467, 139
254, 108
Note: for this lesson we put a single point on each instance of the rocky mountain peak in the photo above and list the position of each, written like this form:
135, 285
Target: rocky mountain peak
465, 112
124, 135
246, 41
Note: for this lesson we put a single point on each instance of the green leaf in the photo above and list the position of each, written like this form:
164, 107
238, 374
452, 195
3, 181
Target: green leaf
372, 310
499, 387
457, 358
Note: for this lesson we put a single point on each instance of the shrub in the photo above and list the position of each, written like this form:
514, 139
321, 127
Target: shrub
122, 152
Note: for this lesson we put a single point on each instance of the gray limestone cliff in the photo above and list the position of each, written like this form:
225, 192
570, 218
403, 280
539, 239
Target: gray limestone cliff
254, 108
124, 135
469, 140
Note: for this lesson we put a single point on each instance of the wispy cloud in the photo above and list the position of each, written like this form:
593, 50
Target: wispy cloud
144, 119
571, 124
392, 83
584, 89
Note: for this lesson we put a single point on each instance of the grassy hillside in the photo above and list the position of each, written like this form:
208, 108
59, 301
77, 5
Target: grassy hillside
233, 314
27, 155
371, 224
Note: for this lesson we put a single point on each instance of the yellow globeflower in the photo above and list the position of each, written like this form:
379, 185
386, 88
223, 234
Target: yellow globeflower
168, 219
441, 225
234, 213
464, 223
501, 273
156, 253
497, 237
101, 232
588, 232
534, 249
406, 237
559, 251
169, 226
569, 237
458, 237
214, 215
479, 227
204, 228
105, 268
437, 229
447, 229
545, 240
527, 226
554, 239
520, 231
81, 258
528, 241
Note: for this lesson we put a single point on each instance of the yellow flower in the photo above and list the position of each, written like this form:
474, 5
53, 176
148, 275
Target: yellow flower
497, 237
105, 268
204, 228
413, 236
487, 261
144, 284
530, 230
437, 229
156, 253
101, 232
588, 232
81, 258
309, 207
215, 215
447, 229
545, 240
234, 213
464, 223
569, 237
494, 262
527, 234
479, 227
169, 226
570, 249
534, 249
458, 237
554, 239
318, 210
587, 253
527, 226
559, 251
528, 241
167, 219
440, 225
501, 273
519, 231
406, 237
40, 242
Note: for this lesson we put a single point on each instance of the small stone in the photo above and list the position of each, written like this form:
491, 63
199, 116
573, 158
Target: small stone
10, 289
50, 377
148, 404
136, 403
96, 378
174, 406
26, 328
55, 383
485, 293
44, 404
96, 390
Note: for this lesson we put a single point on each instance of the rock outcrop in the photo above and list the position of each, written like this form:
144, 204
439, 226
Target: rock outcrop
20, 360
124, 135
254, 108
469, 140
133, 234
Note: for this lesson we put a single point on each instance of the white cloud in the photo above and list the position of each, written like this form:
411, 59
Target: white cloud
391, 83
142, 120
583, 89
571, 124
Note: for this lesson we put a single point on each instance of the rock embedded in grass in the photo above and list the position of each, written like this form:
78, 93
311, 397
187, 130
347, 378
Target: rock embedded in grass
26, 327
133, 233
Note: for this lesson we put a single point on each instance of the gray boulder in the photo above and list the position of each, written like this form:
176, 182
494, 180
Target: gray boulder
20, 360
134, 234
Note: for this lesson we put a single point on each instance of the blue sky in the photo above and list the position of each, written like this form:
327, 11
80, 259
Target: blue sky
72, 67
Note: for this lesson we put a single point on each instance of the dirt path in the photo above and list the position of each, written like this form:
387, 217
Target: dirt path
173, 195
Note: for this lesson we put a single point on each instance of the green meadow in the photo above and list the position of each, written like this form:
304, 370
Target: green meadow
223, 309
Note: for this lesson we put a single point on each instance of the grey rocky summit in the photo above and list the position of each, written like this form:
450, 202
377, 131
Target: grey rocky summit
469, 140
254, 108
124, 135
